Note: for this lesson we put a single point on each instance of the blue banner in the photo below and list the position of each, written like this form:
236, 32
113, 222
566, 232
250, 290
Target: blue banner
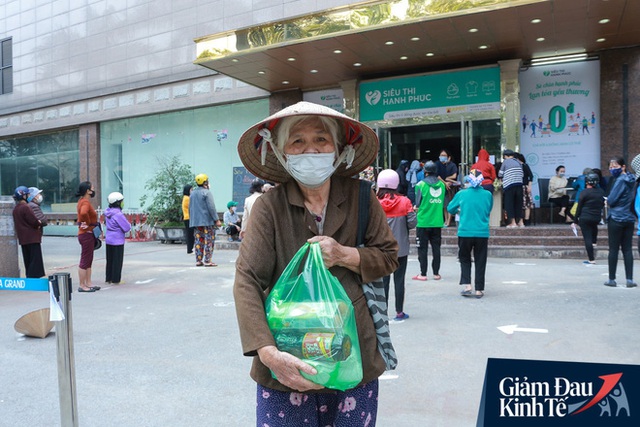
22, 284
568, 394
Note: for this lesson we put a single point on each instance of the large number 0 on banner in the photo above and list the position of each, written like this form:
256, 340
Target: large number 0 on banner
557, 118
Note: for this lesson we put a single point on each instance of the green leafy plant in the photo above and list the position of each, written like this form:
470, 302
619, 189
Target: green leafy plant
164, 191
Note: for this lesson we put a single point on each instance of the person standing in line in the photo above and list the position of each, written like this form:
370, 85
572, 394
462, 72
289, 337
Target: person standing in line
486, 168
403, 170
512, 176
635, 164
87, 221
527, 198
35, 200
117, 227
620, 221
232, 222
29, 233
474, 207
448, 173
430, 194
401, 218
589, 213
413, 177
186, 193
256, 190
204, 218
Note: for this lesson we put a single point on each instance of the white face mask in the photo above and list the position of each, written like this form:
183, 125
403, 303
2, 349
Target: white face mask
311, 169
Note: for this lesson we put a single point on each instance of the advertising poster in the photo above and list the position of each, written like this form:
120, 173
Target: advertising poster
560, 109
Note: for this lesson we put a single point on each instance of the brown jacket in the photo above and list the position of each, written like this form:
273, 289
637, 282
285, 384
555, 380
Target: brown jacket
280, 225
27, 225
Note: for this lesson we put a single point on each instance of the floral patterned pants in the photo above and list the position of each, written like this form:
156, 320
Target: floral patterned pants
357, 407
204, 238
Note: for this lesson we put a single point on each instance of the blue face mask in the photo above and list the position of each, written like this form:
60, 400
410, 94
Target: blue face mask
443, 159
615, 172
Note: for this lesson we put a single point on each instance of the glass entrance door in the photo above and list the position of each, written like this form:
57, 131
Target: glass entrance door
462, 140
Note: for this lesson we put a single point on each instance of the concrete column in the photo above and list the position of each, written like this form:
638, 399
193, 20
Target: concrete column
284, 99
350, 96
510, 103
89, 148
9, 263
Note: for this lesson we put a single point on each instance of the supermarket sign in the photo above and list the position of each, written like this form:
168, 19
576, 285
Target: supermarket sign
433, 94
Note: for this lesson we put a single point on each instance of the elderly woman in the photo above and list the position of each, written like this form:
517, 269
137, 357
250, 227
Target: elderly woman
303, 147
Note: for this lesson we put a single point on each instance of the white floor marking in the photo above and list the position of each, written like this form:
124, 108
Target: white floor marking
510, 329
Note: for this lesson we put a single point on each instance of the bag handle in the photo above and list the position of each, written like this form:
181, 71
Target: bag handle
364, 196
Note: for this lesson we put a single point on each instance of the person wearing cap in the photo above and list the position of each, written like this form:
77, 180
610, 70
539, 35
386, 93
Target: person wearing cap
186, 193
34, 200
430, 195
312, 151
512, 176
401, 218
204, 218
87, 221
29, 233
255, 190
620, 220
473, 204
589, 213
117, 228
232, 222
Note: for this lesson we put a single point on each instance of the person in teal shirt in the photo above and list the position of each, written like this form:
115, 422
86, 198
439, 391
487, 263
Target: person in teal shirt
430, 194
474, 207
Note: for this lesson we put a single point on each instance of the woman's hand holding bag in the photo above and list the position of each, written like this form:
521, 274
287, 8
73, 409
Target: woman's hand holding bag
312, 318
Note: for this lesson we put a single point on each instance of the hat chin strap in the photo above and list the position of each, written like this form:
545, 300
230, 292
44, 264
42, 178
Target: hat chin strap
347, 156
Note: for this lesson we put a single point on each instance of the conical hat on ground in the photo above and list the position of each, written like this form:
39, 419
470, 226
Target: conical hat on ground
34, 324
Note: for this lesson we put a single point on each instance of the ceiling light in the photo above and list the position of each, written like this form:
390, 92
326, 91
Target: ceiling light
313, 71
261, 72
429, 54
484, 46
285, 82
473, 30
234, 60
536, 21
402, 58
389, 43
601, 39
559, 59
357, 64
415, 39
337, 51
604, 21
540, 39
291, 59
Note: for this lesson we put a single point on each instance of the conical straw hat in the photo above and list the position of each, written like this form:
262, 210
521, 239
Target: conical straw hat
363, 139
34, 324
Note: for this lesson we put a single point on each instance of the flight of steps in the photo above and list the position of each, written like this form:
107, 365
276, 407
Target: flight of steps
538, 241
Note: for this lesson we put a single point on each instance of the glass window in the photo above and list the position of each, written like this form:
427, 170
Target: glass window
6, 66
50, 162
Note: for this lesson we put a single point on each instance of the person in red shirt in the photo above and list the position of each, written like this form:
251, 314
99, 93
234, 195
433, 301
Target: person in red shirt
487, 169
87, 221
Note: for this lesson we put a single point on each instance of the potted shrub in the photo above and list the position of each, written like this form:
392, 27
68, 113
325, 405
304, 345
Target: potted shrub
163, 198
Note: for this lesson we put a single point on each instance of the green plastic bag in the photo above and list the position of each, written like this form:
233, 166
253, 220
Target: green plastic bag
312, 318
